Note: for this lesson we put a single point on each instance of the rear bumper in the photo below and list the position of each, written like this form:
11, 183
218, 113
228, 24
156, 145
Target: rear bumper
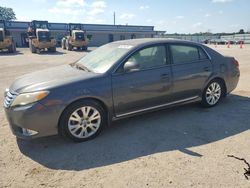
42, 121
233, 81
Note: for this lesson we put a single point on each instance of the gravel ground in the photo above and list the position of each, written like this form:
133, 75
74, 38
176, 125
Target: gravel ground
185, 146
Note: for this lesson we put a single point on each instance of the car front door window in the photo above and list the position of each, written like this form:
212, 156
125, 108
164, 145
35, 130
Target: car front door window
149, 57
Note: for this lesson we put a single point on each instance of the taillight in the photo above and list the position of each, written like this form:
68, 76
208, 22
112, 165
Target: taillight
236, 62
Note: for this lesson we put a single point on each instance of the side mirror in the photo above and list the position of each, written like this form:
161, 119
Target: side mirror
131, 66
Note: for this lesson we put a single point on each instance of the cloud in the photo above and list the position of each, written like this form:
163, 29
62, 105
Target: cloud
221, 1
79, 10
234, 25
149, 20
198, 24
207, 15
67, 11
97, 7
70, 3
39, 1
23, 18
144, 7
127, 16
221, 12
179, 17
68, 7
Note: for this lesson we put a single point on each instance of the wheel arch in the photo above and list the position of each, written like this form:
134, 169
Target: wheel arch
222, 80
97, 100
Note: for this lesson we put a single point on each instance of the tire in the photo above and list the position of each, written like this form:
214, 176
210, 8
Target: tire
32, 47
11, 48
75, 126
68, 46
52, 49
85, 48
213, 93
14, 48
63, 44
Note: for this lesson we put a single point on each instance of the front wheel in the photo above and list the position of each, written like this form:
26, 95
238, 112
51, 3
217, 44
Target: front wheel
82, 121
213, 93
52, 49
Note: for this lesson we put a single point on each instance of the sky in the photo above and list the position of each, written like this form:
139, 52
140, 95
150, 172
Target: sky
179, 16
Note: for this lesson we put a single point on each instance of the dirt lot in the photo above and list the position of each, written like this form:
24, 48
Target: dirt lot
181, 147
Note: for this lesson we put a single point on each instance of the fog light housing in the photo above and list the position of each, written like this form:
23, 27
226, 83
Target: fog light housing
29, 132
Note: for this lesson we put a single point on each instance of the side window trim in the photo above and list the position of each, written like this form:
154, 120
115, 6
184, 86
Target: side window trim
205, 52
165, 45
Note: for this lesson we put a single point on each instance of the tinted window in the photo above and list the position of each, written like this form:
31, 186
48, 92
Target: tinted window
43, 35
79, 36
183, 54
150, 57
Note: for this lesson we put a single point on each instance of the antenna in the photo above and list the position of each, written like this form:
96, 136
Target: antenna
114, 18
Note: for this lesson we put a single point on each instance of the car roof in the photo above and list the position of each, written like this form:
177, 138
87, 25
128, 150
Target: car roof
148, 41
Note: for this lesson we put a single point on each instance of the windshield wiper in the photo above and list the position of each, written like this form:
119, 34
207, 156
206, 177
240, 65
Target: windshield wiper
82, 67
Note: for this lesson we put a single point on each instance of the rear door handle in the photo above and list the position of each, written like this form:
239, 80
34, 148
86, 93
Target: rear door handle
206, 69
165, 76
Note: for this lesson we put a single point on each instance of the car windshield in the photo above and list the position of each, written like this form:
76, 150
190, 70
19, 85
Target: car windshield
101, 59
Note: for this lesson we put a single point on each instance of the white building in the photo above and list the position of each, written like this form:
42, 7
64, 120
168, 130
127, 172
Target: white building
99, 34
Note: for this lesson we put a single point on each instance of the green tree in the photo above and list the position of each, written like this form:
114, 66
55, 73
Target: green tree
242, 31
7, 14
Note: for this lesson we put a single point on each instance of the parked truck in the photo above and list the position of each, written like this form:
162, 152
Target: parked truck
40, 37
6, 40
76, 38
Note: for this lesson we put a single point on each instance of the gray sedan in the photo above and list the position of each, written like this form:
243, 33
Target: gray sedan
117, 80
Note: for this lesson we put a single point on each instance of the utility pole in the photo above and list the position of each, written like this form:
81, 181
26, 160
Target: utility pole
114, 18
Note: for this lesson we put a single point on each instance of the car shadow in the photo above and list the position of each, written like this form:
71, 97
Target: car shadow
179, 128
50, 53
6, 53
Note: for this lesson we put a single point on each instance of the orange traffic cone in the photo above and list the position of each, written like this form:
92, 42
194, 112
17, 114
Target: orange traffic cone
228, 45
241, 45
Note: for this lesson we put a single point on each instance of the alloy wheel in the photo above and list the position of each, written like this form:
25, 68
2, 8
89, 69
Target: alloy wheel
84, 122
213, 93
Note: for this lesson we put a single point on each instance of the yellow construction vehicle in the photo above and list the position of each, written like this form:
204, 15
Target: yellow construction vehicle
40, 37
6, 40
76, 38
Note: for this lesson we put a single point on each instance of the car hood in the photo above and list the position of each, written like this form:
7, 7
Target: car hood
49, 78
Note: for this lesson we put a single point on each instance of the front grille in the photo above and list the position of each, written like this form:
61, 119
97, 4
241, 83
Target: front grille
9, 98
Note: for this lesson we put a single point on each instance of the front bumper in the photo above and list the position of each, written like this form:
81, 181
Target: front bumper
79, 43
36, 117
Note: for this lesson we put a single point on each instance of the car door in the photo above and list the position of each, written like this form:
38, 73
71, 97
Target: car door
191, 68
146, 86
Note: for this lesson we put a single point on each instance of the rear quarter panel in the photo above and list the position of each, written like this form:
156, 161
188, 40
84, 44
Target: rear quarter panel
223, 68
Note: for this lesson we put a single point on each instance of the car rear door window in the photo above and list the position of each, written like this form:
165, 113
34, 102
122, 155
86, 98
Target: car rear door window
150, 57
184, 54
202, 54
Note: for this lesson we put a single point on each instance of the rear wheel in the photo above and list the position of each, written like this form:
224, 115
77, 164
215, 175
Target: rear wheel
32, 47
213, 93
85, 48
12, 48
82, 121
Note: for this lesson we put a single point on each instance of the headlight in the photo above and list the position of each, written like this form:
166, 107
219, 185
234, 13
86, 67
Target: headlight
28, 98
